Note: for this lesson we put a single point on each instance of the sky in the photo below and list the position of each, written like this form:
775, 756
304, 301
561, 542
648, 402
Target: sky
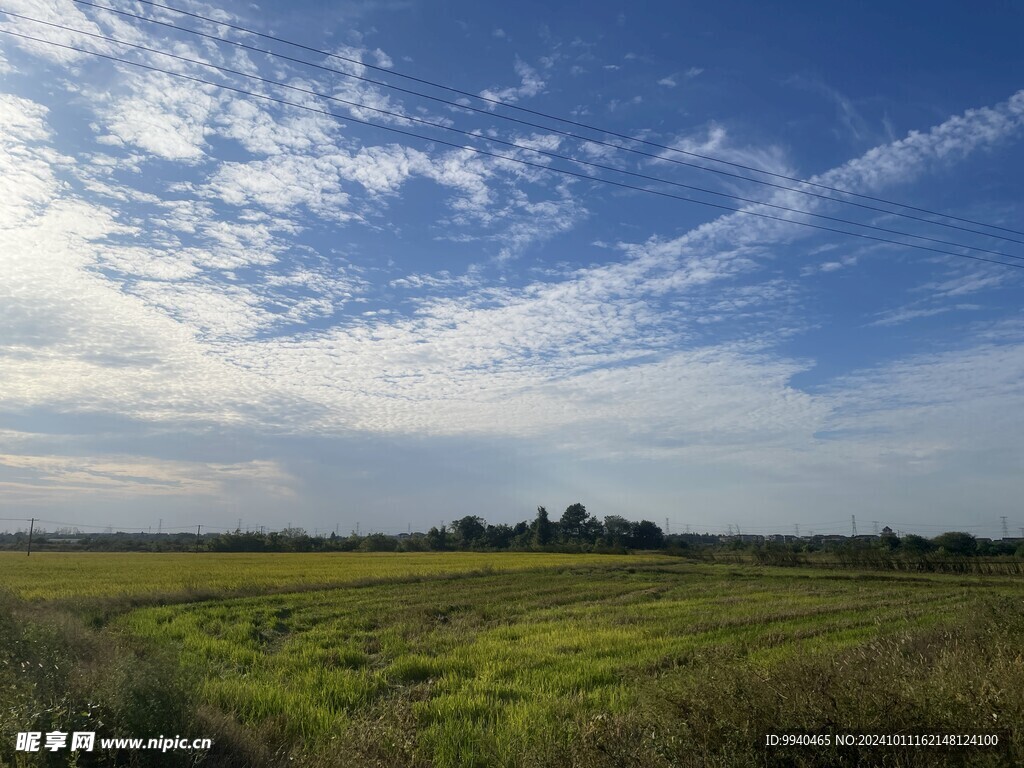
217, 307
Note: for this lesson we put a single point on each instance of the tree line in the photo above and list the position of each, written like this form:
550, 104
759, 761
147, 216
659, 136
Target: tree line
576, 530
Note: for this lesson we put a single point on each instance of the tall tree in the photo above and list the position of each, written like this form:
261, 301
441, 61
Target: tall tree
469, 531
437, 538
543, 528
618, 531
574, 522
956, 542
499, 536
647, 535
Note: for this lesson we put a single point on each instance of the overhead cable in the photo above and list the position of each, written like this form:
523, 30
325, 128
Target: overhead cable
546, 153
506, 158
506, 105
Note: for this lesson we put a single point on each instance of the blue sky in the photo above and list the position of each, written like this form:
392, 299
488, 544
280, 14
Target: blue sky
218, 307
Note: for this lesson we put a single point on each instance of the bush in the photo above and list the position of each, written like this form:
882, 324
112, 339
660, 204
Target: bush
378, 542
57, 674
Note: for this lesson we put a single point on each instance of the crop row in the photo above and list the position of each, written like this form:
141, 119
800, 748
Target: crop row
485, 670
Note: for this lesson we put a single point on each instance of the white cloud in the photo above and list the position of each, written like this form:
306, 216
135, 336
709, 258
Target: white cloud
62, 12
32, 478
948, 142
138, 314
531, 84
716, 142
906, 314
969, 281
164, 116
964, 401
261, 131
283, 182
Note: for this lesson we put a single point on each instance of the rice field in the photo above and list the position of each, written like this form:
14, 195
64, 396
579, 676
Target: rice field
471, 660
497, 669
70, 575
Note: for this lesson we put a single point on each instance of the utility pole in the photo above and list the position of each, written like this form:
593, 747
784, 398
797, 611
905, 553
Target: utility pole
199, 529
1006, 532
31, 527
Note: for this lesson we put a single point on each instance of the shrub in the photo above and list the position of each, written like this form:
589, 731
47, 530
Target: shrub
57, 674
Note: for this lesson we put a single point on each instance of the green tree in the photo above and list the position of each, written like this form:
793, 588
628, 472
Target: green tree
437, 538
499, 536
574, 522
543, 528
956, 542
469, 531
378, 542
618, 531
647, 535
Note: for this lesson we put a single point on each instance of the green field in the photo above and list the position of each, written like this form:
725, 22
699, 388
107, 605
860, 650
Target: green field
73, 575
538, 659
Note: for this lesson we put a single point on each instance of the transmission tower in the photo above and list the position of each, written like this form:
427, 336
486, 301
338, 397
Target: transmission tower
1006, 531
853, 525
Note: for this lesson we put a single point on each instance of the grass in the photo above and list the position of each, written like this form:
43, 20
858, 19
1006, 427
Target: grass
489, 670
518, 660
75, 575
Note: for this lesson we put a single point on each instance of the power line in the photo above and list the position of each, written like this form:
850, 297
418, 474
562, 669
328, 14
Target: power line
498, 102
530, 124
546, 153
507, 158
178, 529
